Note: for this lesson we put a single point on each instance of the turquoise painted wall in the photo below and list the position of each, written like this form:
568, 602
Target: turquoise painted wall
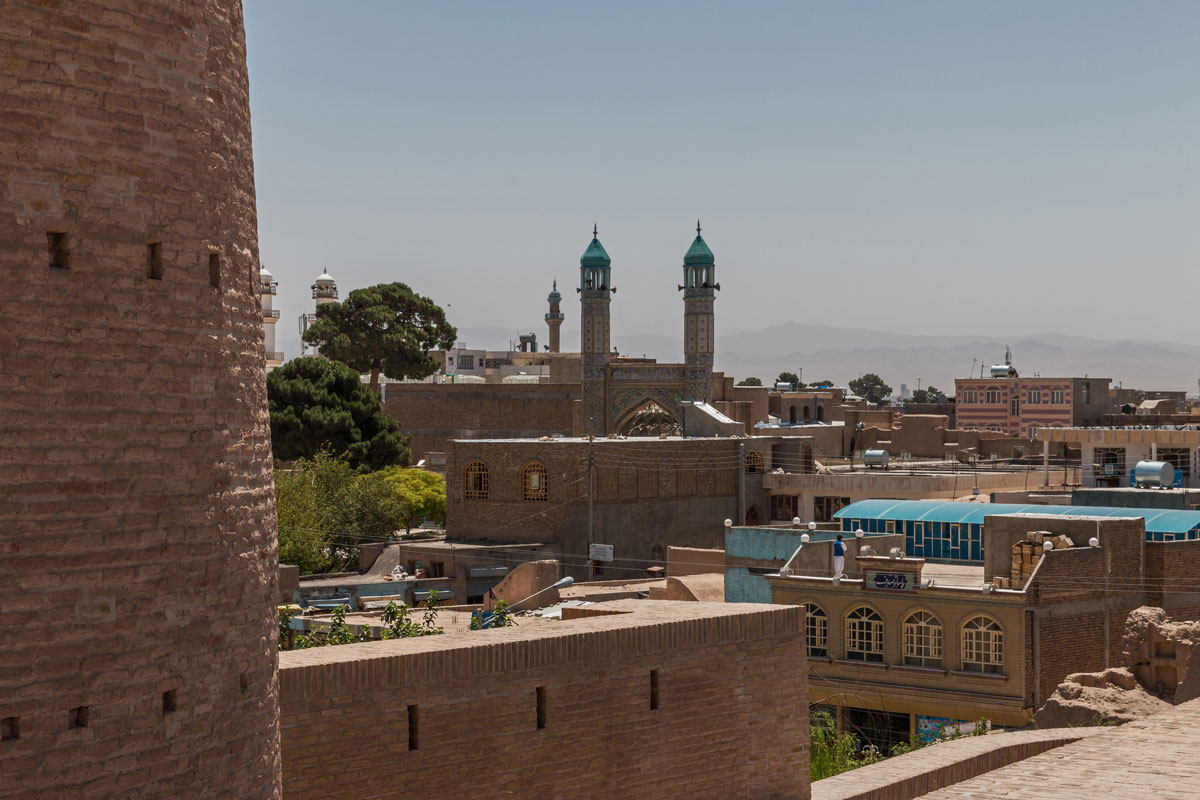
761, 544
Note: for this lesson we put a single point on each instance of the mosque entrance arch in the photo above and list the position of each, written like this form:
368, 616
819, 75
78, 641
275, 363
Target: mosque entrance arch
650, 419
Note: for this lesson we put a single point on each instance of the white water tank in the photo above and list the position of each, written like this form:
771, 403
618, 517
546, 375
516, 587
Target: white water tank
875, 458
1153, 473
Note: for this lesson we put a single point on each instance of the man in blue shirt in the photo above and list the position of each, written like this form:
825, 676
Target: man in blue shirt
839, 556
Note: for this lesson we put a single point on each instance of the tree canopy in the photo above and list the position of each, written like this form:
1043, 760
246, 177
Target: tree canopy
790, 377
751, 381
930, 394
387, 328
871, 387
326, 509
317, 404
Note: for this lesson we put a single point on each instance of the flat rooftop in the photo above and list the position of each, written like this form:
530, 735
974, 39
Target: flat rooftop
965, 575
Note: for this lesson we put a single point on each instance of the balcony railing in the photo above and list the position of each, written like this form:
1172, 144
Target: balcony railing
271, 312
324, 291
269, 287
274, 356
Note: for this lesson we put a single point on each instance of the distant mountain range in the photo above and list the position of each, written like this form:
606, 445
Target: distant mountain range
840, 354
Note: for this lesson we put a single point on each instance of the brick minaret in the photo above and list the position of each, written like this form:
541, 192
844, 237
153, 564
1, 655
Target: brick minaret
138, 560
699, 289
595, 292
554, 317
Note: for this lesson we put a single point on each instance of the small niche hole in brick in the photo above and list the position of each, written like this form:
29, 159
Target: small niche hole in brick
169, 702
214, 270
154, 264
10, 729
654, 690
243, 682
414, 720
60, 253
541, 708
77, 717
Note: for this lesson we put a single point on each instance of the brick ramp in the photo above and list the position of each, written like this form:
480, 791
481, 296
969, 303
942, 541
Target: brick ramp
1151, 757
935, 767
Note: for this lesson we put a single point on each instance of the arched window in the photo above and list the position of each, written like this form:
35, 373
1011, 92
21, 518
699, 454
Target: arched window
533, 482
807, 414
666, 479
1033, 429
816, 631
820, 413
982, 646
993, 396
627, 482
658, 553
864, 635
922, 640
792, 414
1057, 396
754, 462
752, 515
475, 481
1035, 395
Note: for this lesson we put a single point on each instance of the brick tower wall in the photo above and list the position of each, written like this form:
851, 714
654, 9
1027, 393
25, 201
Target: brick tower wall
137, 523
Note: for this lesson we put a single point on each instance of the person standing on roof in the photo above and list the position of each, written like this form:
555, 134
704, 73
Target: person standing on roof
839, 556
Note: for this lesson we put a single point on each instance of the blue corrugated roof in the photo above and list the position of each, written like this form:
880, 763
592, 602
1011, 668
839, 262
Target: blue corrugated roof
1157, 520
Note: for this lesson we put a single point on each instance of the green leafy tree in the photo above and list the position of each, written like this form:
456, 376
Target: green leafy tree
338, 631
751, 381
320, 404
790, 377
821, 385
285, 628
871, 387
929, 394
387, 328
420, 494
314, 502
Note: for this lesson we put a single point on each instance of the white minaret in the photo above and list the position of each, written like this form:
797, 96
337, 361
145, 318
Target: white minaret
268, 288
324, 290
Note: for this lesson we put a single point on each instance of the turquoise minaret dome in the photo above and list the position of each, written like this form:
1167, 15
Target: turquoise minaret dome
595, 266
595, 255
698, 255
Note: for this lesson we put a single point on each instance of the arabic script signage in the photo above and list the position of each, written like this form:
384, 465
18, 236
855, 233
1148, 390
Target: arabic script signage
891, 581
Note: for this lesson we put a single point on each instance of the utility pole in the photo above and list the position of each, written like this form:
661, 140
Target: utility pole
741, 467
591, 464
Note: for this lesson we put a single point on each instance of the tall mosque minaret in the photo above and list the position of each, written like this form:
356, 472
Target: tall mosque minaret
699, 289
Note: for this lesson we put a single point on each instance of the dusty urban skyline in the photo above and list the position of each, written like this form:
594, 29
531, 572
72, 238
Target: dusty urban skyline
929, 168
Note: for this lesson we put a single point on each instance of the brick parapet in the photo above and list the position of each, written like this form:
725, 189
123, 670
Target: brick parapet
934, 767
731, 721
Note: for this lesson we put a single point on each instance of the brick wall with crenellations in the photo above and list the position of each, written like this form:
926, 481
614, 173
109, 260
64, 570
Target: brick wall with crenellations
458, 715
137, 521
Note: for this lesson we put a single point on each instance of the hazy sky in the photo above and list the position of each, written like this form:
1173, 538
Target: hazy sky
998, 168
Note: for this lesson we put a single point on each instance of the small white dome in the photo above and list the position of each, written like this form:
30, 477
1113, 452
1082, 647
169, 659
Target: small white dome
324, 279
265, 274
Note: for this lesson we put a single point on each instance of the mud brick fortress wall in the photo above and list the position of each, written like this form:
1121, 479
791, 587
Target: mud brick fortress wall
558, 709
137, 523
